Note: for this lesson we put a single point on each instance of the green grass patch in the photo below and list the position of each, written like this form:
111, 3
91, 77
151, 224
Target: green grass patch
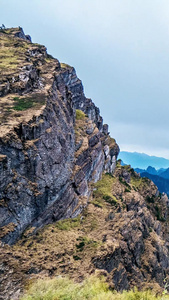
86, 242
93, 288
11, 53
68, 224
98, 203
23, 103
8, 59
103, 191
80, 115
139, 183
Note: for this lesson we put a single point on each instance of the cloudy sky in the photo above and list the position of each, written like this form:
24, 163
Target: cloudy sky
120, 49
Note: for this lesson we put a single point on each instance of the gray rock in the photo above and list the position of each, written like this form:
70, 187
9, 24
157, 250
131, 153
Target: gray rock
41, 176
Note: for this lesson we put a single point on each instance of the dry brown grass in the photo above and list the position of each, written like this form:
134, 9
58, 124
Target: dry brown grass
69, 246
7, 228
81, 137
15, 108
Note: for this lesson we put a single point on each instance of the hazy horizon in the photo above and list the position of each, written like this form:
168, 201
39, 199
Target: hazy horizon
120, 50
143, 153
143, 161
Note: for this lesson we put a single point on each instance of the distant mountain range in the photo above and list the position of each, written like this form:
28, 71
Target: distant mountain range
152, 167
159, 177
151, 170
160, 182
142, 160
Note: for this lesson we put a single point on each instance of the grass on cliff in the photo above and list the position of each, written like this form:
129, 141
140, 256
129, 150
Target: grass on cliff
68, 224
11, 52
80, 115
65, 66
25, 103
103, 191
139, 183
93, 288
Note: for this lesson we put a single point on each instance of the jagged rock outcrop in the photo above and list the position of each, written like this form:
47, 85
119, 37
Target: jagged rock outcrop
122, 234
20, 34
44, 175
54, 149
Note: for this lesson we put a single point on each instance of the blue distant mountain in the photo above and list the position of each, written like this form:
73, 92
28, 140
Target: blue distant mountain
160, 182
165, 174
155, 168
143, 161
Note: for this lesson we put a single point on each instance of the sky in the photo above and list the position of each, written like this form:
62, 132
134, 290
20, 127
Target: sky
120, 50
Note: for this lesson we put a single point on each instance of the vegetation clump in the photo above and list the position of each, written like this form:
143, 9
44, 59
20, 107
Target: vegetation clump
103, 191
23, 103
94, 288
125, 183
139, 183
12, 53
86, 241
80, 115
68, 224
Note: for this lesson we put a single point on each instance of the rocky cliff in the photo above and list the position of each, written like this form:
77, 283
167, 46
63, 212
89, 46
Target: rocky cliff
122, 234
46, 170
67, 207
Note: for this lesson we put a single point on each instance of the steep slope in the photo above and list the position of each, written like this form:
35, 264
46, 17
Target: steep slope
161, 183
45, 174
159, 177
56, 156
122, 234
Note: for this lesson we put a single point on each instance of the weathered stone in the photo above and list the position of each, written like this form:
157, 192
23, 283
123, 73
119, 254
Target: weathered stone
39, 180
105, 129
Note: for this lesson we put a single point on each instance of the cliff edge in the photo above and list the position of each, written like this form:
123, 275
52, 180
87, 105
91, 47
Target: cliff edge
67, 206
46, 163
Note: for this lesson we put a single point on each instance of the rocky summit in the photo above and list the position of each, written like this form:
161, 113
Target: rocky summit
67, 206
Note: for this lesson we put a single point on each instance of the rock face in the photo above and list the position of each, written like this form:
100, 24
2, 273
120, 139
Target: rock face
122, 234
54, 149
44, 174
20, 34
139, 256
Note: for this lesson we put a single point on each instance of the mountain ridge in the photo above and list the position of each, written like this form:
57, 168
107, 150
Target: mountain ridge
67, 206
142, 160
38, 147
